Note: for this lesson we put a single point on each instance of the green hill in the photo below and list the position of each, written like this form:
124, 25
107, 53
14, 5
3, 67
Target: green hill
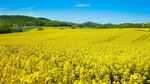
22, 18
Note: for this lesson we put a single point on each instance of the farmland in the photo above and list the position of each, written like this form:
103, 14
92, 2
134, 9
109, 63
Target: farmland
81, 56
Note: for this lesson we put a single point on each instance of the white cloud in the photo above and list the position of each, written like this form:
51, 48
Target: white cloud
32, 7
82, 5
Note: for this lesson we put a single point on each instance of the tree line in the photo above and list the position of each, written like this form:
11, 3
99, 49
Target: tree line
8, 28
11, 23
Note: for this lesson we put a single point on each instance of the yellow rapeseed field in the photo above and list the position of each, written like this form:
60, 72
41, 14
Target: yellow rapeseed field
84, 56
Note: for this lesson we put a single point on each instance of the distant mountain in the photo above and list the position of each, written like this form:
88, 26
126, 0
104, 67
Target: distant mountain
43, 19
22, 18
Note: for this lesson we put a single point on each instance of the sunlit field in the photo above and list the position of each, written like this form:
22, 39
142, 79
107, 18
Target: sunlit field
80, 56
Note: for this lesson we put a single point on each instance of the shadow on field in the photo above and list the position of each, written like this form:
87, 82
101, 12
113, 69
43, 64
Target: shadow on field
143, 30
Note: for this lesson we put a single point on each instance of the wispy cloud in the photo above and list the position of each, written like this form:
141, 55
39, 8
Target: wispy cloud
32, 7
82, 5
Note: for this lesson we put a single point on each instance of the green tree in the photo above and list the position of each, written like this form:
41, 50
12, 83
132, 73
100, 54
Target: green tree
100, 26
40, 28
6, 28
90, 24
74, 26
149, 26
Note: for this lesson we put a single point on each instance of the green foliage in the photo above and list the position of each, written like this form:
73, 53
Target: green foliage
80, 25
100, 26
27, 28
20, 21
148, 26
17, 30
40, 28
73, 27
61, 28
109, 25
8, 28
90, 24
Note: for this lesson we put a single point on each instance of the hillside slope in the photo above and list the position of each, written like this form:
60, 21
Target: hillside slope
21, 17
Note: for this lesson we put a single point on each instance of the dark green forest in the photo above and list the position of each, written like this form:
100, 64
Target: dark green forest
14, 23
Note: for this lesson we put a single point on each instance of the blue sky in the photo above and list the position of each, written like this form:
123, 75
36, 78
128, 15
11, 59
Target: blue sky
100, 11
